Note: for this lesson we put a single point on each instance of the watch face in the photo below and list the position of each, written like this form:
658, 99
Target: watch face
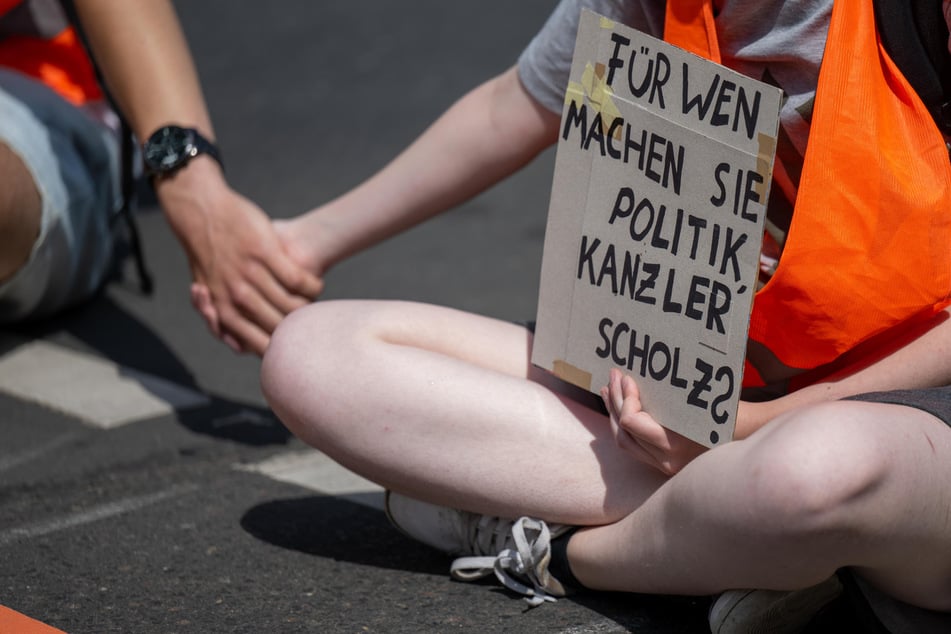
168, 148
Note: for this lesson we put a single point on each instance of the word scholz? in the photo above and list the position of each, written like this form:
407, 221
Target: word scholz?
661, 362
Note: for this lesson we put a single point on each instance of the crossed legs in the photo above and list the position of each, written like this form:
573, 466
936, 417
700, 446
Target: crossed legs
444, 406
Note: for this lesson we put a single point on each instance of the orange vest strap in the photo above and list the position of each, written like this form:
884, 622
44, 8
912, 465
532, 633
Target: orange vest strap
689, 24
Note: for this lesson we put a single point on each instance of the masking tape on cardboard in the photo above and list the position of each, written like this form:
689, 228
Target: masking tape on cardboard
575, 93
567, 372
600, 97
764, 159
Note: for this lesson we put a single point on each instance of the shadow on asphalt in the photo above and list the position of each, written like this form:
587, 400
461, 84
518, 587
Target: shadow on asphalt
238, 422
115, 334
338, 529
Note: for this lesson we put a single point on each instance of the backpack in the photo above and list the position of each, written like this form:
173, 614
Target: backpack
915, 34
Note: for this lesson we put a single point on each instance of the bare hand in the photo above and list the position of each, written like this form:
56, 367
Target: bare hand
244, 282
637, 433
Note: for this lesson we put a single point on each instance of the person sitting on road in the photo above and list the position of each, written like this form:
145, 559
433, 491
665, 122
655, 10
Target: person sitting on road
61, 167
843, 439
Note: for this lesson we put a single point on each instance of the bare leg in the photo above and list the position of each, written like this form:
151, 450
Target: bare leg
842, 484
445, 406
20, 208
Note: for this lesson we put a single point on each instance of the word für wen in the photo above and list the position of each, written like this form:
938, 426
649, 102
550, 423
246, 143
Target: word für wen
720, 103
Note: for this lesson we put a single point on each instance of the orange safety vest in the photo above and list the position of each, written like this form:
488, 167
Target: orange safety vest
58, 59
869, 246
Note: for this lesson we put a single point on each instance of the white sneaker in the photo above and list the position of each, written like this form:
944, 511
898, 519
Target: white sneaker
526, 562
770, 611
517, 551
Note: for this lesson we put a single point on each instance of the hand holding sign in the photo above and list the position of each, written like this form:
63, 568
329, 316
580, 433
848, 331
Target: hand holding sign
639, 434
654, 229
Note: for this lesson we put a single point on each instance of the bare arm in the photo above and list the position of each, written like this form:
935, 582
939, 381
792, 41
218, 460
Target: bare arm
231, 245
918, 358
140, 48
489, 134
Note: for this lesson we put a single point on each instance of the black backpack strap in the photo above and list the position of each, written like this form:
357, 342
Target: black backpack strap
915, 35
128, 157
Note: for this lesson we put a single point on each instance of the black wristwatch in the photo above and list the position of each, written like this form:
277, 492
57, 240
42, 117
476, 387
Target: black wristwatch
171, 147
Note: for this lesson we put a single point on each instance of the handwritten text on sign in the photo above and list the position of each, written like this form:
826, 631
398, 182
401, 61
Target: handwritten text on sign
655, 224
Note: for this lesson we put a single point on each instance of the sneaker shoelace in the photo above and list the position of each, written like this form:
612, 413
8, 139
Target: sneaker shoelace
522, 559
487, 535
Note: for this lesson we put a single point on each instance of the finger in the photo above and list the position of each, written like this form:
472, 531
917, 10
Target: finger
645, 456
606, 398
631, 446
645, 429
232, 343
244, 335
621, 437
659, 460
250, 297
244, 313
628, 442
271, 301
608, 394
295, 279
645, 451
635, 431
617, 394
670, 451
201, 300
630, 391
633, 417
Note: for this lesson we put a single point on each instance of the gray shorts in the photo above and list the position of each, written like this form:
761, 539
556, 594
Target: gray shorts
934, 400
74, 159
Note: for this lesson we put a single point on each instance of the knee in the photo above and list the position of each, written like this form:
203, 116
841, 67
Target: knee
814, 470
295, 370
315, 362
281, 363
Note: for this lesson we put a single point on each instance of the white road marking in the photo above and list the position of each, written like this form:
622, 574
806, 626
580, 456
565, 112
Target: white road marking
27, 455
92, 389
315, 471
95, 514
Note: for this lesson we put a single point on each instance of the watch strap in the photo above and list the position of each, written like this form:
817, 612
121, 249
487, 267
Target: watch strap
204, 146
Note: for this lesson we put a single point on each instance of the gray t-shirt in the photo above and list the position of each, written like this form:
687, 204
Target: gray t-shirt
779, 42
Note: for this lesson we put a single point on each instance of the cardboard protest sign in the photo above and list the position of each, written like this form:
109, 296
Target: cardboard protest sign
655, 225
